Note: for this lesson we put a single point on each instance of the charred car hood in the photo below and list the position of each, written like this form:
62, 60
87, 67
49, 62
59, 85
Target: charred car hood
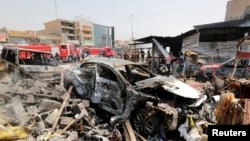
170, 84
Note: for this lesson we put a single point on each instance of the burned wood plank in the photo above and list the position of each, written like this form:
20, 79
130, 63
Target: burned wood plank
67, 95
129, 132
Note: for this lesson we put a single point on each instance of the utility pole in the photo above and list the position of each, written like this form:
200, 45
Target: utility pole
55, 7
131, 16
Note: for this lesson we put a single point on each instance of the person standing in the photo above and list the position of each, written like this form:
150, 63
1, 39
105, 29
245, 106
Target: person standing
180, 68
142, 55
137, 56
126, 56
57, 56
148, 55
169, 59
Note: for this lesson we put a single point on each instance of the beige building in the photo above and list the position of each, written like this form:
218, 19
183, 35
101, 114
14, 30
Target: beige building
122, 43
84, 33
237, 9
63, 29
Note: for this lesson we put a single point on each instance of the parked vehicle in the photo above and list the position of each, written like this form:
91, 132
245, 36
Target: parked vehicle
129, 91
22, 62
69, 52
225, 68
98, 51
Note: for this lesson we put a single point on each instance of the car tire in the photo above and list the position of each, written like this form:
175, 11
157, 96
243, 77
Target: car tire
144, 124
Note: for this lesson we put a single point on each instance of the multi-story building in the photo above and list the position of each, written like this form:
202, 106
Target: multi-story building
64, 29
103, 35
81, 32
237, 9
84, 33
24, 37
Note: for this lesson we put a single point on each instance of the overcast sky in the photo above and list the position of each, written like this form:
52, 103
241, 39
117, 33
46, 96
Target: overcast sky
150, 17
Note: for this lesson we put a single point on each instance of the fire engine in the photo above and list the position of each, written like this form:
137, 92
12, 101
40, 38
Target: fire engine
67, 52
100, 51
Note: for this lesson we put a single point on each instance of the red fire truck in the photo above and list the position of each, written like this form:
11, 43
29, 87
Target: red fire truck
100, 51
67, 52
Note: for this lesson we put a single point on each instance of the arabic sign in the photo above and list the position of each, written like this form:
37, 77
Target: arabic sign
17, 33
2, 37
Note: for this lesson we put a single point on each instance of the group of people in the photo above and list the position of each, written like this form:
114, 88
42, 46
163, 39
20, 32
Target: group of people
135, 55
170, 60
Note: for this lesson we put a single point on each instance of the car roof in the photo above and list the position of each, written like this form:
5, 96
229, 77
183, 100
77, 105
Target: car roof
113, 62
25, 49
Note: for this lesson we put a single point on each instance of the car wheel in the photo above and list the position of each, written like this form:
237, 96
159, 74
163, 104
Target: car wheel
144, 123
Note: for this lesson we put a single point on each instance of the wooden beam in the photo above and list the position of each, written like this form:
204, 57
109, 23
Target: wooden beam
129, 132
67, 95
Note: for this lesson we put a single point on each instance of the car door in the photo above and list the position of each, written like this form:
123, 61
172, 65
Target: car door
247, 69
108, 90
40, 64
10, 62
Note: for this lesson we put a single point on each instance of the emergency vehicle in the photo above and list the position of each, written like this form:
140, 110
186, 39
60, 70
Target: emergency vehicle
67, 52
100, 51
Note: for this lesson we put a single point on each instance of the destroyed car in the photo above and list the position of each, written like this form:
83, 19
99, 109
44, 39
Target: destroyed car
227, 67
26, 63
129, 91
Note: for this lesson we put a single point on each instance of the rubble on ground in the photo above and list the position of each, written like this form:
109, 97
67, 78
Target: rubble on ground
36, 111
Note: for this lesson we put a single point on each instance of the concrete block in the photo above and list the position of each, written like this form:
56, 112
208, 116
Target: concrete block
20, 89
30, 82
40, 84
80, 109
32, 110
51, 118
17, 110
44, 90
55, 93
4, 88
74, 101
30, 98
67, 109
60, 88
16, 99
85, 103
47, 105
73, 136
35, 90
64, 121
103, 132
2, 101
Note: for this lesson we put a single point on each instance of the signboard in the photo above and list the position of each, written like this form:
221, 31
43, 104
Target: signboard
3, 37
17, 33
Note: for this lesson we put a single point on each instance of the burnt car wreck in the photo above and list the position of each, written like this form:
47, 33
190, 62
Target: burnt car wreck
129, 91
103, 99
29, 63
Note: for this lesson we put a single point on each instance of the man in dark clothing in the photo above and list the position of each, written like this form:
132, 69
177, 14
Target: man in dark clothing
57, 56
142, 55
180, 69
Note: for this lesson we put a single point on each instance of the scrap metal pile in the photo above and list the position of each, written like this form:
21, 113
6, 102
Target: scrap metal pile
34, 110
31, 110
234, 105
